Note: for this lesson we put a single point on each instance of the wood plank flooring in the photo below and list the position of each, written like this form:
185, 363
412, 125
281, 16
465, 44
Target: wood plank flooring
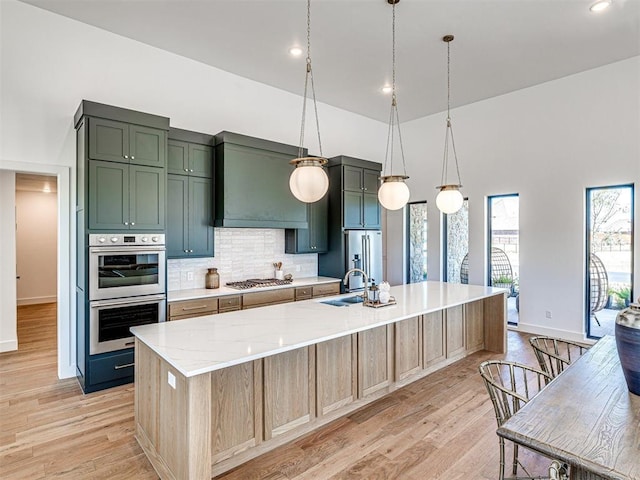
440, 427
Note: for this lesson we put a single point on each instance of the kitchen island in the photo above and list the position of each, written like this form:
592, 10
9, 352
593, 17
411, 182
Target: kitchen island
214, 391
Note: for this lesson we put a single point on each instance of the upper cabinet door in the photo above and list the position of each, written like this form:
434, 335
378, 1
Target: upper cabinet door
370, 178
147, 198
352, 209
108, 196
352, 178
177, 215
178, 157
200, 217
371, 210
200, 160
108, 140
147, 146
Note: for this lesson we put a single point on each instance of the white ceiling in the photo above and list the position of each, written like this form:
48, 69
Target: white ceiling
500, 45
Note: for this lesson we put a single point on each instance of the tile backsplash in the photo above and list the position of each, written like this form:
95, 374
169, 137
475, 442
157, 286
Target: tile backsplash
241, 253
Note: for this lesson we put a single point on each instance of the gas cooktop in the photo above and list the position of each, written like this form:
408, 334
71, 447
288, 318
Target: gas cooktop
257, 282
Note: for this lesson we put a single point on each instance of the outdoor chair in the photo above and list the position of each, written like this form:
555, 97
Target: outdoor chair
555, 354
510, 386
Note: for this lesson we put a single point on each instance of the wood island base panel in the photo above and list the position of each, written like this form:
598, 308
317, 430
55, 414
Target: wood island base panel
216, 391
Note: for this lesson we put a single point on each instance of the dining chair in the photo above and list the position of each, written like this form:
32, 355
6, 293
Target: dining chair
555, 354
511, 385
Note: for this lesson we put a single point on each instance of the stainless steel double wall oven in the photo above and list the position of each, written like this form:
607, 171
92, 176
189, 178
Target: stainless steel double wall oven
127, 287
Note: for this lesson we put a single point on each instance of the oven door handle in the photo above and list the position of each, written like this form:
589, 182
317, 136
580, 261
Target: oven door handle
128, 301
128, 250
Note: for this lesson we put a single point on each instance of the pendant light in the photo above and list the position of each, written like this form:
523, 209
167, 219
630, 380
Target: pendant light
449, 200
394, 192
309, 181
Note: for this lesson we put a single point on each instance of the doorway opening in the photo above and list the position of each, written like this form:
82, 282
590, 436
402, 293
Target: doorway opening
504, 249
609, 259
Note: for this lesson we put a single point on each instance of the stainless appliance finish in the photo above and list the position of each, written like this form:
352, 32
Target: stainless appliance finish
126, 265
110, 320
363, 250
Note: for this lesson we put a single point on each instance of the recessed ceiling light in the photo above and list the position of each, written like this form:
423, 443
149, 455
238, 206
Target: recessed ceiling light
600, 5
386, 89
295, 51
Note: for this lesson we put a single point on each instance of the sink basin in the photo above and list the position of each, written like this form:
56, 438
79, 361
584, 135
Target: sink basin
344, 302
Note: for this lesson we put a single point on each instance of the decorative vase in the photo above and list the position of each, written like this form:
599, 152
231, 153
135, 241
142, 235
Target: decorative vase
628, 343
212, 278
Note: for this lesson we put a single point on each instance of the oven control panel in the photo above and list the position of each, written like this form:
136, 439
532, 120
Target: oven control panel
125, 239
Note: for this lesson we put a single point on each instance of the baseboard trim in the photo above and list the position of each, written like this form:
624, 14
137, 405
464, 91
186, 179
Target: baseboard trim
36, 300
552, 332
8, 345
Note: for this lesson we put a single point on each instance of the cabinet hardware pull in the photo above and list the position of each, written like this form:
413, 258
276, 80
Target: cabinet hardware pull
126, 365
126, 156
191, 170
126, 223
186, 309
133, 223
132, 157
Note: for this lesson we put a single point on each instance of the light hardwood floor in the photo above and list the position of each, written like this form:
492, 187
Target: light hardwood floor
440, 427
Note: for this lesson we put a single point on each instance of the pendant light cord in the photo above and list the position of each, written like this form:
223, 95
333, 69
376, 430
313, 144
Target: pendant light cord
394, 118
449, 130
309, 74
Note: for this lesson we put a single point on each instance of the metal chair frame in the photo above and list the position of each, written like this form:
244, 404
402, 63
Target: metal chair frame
555, 354
511, 385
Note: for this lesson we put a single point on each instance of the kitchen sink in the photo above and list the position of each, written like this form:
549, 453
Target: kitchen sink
344, 302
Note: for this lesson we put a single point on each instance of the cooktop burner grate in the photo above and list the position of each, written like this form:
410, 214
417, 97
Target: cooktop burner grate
257, 282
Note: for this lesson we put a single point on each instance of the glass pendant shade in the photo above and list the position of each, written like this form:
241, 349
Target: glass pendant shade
393, 194
449, 200
309, 181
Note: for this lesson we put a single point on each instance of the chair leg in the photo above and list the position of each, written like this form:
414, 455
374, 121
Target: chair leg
515, 459
502, 461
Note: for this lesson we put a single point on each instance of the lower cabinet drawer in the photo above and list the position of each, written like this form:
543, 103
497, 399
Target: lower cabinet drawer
193, 308
304, 293
229, 303
326, 289
259, 299
112, 367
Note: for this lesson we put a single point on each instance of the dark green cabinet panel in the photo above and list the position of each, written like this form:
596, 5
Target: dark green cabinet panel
200, 217
352, 178
123, 197
147, 146
108, 140
189, 217
146, 198
108, 195
370, 180
353, 204
177, 216
186, 158
121, 142
313, 239
371, 210
252, 184
177, 157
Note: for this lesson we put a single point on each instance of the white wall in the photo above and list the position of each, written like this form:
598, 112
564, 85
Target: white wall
548, 143
50, 63
8, 328
36, 246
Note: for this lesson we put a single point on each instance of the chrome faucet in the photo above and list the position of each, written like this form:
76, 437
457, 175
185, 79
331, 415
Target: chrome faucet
366, 281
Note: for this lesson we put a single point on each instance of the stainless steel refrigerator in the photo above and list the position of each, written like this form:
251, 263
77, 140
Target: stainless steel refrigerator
363, 249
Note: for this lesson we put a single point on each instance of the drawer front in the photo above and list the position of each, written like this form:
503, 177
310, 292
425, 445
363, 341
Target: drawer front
326, 289
257, 299
304, 293
193, 308
110, 368
229, 303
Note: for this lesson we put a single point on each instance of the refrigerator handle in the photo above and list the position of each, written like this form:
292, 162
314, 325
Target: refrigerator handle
369, 256
365, 260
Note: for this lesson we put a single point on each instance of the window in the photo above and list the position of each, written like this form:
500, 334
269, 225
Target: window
417, 242
609, 260
456, 243
504, 249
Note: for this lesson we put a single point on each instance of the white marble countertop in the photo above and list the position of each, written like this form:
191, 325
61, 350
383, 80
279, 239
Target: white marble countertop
195, 293
203, 344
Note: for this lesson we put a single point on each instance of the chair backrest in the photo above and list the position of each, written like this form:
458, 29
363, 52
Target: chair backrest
511, 385
554, 354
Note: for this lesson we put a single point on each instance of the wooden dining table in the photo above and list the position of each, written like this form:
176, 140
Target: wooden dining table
585, 417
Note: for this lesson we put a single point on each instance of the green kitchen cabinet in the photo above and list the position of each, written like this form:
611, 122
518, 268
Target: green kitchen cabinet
125, 197
252, 184
192, 159
356, 182
313, 239
115, 141
189, 217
